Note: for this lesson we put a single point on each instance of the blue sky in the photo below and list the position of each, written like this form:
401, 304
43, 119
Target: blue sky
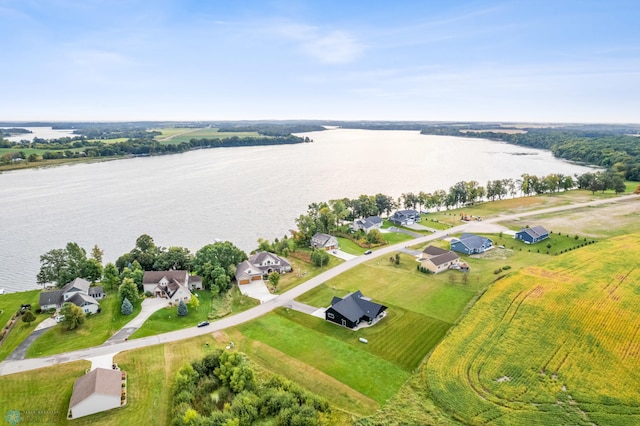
550, 61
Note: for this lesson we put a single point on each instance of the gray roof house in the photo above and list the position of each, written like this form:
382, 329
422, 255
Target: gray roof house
325, 241
98, 390
79, 292
172, 285
367, 224
405, 217
471, 244
353, 309
532, 235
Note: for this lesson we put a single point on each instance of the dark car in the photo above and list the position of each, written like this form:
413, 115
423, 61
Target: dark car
367, 252
203, 324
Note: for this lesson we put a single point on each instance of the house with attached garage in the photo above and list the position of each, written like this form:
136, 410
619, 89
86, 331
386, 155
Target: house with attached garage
532, 235
354, 309
471, 244
324, 241
172, 285
79, 292
405, 217
367, 224
259, 266
436, 260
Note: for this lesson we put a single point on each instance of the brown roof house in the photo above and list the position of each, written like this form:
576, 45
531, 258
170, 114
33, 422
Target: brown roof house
172, 285
437, 260
98, 390
260, 265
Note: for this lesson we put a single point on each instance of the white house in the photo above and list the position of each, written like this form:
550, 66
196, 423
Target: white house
172, 285
325, 241
368, 223
260, 265
79, 292
99, 390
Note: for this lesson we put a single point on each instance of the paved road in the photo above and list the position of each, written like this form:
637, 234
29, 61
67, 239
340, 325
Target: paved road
16, 366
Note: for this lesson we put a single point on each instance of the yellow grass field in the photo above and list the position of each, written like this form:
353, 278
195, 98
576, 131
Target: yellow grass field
557, 344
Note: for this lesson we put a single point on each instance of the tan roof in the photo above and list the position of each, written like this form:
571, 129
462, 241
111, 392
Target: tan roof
444, 258
434, 251
100, 381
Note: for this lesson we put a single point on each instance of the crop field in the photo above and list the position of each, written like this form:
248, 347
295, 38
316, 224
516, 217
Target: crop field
178, 135
557, 344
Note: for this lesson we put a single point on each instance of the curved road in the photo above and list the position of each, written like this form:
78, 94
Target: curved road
16, 366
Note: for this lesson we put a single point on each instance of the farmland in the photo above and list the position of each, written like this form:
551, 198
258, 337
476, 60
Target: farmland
178, 135
525, 355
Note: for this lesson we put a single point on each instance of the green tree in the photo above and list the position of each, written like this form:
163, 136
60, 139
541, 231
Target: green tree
28, 316
73, 316
178, 258
375, 237
182, 309
97, 254
212, 258
91, 270
194, 302
110, 276
127, 307
274, 279
128, 290
60, 266
320, 257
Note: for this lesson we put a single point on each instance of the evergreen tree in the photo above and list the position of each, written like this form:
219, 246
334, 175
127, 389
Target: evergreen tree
182, 309
127, 307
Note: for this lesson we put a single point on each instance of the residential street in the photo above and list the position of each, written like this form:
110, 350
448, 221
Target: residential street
15, 366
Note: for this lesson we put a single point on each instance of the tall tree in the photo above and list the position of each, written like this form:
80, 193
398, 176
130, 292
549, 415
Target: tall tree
73, 316
223, 255
128, 290
60, 266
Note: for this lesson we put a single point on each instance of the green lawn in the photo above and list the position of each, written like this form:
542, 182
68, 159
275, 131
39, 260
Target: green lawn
347, 363
302, 269
9, 304
167, 319
41, 396
178, 135
396, 237
348, 246
95, 330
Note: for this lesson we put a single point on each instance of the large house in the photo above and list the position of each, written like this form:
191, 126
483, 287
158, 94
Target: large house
367, 224
437, 260
532, 235
260, 265
98, 390
354, 309
471, 244
79, 292
405, 217
324, 241
172, 285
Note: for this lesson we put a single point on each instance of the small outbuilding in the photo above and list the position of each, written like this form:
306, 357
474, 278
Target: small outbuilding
532, 235
98, 390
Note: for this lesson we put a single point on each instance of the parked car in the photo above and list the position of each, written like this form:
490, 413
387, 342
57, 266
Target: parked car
203, 324
368, 252
59, 318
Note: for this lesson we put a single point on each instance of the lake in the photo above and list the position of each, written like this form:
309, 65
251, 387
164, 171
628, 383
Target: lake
235, 194
40, 132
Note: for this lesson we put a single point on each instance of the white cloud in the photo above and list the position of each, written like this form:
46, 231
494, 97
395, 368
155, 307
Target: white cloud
332, 47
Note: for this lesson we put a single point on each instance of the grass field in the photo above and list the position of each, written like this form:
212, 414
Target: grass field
343, 361
178, 135
41, 396
9, 304
525, 355
95, 330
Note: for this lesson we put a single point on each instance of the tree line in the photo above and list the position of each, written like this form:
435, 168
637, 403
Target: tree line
613, 149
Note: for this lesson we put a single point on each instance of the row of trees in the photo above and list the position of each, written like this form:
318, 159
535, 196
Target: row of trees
329, 217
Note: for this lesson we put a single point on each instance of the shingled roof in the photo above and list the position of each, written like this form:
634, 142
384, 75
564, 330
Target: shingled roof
100, 381
354, 306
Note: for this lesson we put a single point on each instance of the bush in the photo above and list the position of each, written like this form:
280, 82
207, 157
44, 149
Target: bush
497, 271
182, 309
506, 268
127, 307
147, 294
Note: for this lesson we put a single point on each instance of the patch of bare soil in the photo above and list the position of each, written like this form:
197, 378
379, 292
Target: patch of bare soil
494, 254
596, 222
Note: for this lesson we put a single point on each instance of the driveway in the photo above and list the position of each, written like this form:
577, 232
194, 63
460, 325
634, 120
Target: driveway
149, 306
341, 254
257, 290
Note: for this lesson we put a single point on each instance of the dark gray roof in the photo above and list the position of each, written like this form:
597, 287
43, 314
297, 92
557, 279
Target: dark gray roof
100, 381
53, 297
96, 290
80, 299
321, 239
406, 213
434, 251
473, 241
354, 306
535, 232
444, 258
264, 255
